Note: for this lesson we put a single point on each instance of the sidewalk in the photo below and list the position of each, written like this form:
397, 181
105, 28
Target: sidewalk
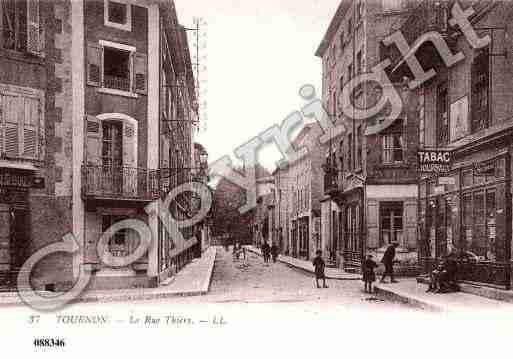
410, 292
194, 279
307, 266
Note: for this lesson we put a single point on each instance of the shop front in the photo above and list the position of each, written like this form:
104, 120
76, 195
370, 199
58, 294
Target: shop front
467, 212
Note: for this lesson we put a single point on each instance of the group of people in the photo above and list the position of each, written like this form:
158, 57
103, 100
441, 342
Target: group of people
269, 252
369, 265
443, 278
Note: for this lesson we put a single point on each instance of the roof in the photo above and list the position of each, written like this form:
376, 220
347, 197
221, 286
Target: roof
334, 25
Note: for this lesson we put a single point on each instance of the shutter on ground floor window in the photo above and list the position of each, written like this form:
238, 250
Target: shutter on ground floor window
410, 213
500, 239
372, 224
140, 73
33, 27
94, 61
93, 144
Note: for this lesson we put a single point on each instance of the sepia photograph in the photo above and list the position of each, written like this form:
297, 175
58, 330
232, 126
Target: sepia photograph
256, 178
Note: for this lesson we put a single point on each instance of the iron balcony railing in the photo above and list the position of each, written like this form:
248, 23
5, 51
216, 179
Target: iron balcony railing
428, 16
120, 182
116, 83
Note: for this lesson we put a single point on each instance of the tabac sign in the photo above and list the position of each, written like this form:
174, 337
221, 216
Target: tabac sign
434, 161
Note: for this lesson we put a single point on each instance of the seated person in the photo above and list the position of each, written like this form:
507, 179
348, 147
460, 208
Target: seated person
443, 278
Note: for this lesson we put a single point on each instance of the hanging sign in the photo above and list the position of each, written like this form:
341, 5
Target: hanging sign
434, 161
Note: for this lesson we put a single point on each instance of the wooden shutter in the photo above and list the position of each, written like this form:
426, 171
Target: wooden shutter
140, 73
2, 125
94, 64
372, 224
94, 137
30, 128
33, 27
129, 145
410, 224
12, 109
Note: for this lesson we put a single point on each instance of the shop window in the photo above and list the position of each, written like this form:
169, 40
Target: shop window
393, 148
20, 26
467, 178
480, 94
391, 222
490, 225
467, 219
118, 15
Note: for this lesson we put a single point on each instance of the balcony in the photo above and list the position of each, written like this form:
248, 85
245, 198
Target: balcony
427, 16
330, 179
120, 184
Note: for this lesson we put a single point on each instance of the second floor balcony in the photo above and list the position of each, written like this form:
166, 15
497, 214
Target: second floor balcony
120, 183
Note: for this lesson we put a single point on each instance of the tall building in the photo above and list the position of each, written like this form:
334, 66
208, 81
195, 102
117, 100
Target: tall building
98, 106
465, 110
370, 171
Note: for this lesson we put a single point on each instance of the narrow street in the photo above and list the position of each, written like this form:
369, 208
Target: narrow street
277, 283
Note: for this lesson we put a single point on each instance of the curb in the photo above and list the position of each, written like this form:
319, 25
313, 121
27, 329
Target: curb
386, 293
301, 269
92, 298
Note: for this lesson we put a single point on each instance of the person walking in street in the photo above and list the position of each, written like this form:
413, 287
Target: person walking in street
368, 273
274, 252
388, 260
265, 251
319, 266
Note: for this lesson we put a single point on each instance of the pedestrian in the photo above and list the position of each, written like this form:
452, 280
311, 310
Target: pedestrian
368, 273
388, 260
265, 251
319, 265
274, 252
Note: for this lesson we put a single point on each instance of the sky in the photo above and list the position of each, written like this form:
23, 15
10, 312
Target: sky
258, 55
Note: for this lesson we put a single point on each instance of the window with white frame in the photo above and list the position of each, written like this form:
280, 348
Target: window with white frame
118, 14
393, 149
21, 26
21, 123
116, 67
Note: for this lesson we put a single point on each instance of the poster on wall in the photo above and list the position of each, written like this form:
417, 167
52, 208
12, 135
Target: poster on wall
459, 118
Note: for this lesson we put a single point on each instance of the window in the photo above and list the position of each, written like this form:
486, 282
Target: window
112, 144
342, 40
442, 126
342, 151
20, 28
350, 71
118, 15
359, 63
480, 80
350, 152
21, 123
391, 222
422, 124
349, 27
393, 151
359, 11
118, 243
393, 5
359, 147
116, 67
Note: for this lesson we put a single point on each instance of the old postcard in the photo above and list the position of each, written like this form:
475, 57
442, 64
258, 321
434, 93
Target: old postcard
256, 178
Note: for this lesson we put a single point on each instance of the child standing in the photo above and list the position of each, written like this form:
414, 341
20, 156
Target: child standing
368, 273
319, 265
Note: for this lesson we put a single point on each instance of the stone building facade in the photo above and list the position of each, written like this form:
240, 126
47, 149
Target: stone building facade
466, 109
370, 171
83, 107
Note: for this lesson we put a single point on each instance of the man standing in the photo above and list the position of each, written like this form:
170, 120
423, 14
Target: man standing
388, 260
266, 251
274, 252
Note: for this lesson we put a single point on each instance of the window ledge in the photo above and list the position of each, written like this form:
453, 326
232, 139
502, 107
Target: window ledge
117, 92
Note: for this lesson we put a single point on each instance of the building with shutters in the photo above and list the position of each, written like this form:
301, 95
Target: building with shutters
97, 115
370, 178
466, 109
